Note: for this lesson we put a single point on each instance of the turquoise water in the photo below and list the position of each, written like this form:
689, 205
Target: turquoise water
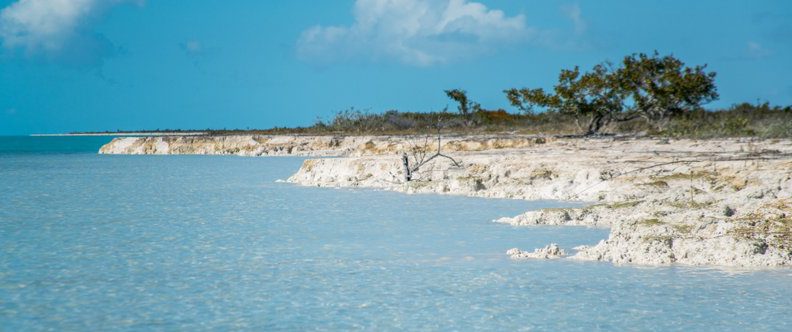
50, 144
91, 242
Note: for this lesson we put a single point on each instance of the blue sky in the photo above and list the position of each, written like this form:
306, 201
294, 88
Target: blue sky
79, 65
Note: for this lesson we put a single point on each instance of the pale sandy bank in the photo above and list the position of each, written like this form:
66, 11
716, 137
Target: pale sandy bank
713, 202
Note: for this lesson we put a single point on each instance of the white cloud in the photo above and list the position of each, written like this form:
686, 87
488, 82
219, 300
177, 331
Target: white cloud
757, 51
53, 27
574, 14
192, 47
42, 25
414, 32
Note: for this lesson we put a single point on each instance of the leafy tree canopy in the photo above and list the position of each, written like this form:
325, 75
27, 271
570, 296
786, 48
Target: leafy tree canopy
651, 87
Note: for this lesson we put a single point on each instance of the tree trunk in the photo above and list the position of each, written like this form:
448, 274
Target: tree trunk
406, 165
596, 123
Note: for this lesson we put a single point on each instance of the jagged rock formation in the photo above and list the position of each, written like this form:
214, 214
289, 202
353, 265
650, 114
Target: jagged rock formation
666, 202
551, 251
266, 145
678, 203
233, 145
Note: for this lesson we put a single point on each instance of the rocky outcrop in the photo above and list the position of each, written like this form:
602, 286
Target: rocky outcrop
593, 216
283, 145
762, 238
709, 202
551, 251
234, 145
714, 202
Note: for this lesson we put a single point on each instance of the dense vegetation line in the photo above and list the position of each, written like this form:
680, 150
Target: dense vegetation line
643, 95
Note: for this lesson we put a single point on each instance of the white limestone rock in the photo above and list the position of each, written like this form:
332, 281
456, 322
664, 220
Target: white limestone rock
551, 251
661, 211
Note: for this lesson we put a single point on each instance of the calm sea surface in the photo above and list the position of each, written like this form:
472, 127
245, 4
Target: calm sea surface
90, 242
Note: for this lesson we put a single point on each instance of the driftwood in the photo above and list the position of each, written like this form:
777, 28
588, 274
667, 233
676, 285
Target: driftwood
419, 155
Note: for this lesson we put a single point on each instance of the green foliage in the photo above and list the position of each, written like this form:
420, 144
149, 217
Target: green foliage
466, 107
492, 117
592, 95
526, 99
762, 120
460, 97
658, 87
644, 94
472, 112
739, 120
652, 87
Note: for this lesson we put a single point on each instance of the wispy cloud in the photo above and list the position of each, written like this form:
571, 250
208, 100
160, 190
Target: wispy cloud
54, 28
757, 51
749, 51
575, 15
191, 47
415, 32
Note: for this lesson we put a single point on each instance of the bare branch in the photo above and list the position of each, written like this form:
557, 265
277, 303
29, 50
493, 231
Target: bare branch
420, 159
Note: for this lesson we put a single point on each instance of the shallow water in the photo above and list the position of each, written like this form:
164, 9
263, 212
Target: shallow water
95, 242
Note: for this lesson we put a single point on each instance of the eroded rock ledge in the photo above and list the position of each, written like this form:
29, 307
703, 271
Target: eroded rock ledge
551, 251
268, 145
666, 202
714, 202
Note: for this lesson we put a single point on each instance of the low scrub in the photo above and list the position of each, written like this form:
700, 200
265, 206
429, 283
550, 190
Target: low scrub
742, 120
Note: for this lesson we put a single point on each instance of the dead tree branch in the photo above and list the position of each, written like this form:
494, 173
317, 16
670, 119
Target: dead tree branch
420, 159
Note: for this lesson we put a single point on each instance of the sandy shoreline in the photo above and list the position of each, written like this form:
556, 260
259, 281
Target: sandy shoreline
721, 202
